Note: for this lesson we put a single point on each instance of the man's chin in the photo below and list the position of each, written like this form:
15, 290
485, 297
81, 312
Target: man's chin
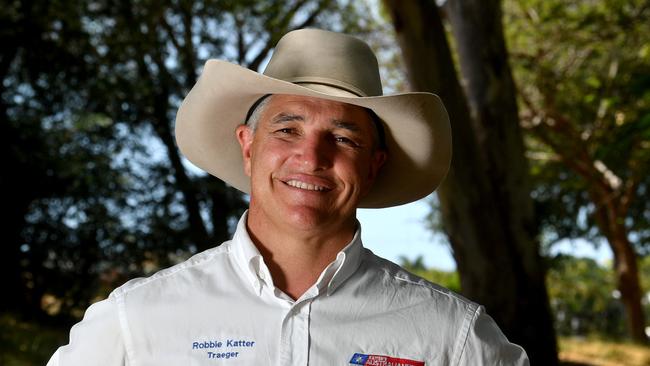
306, 218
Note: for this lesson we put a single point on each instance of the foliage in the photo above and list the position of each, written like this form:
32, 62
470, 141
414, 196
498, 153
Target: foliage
586, 101
584, 298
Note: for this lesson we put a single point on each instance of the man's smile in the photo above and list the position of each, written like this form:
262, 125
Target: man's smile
307, 186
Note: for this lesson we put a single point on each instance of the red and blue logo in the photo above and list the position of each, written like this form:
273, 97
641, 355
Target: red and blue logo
377, 360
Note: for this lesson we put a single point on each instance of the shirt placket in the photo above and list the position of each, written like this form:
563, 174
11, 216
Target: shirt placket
294, 337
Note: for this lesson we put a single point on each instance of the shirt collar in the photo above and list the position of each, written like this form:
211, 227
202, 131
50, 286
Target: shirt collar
257, 273
346, 263
249, 258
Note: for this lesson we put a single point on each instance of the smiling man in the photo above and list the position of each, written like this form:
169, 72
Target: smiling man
312, 139
310, 162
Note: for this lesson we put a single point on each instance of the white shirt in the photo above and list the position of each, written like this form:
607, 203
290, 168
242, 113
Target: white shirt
220, 307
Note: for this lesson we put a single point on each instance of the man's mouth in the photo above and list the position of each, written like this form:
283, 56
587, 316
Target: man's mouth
305, 186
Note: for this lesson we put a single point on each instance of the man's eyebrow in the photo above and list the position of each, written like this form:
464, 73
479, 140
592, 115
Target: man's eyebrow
347, 125
287, 117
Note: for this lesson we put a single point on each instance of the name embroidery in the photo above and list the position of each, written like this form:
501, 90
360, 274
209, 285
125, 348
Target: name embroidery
378, 360
226, 349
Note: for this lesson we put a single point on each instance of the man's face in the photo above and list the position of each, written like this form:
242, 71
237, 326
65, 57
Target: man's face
310, 161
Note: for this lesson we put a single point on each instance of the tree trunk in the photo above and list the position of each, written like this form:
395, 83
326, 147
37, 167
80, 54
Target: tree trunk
198, 232
16, 198
627, 276
610, 222
486, 208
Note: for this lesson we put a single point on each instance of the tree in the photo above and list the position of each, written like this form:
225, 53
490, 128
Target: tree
98, 191
486, 209
587, 109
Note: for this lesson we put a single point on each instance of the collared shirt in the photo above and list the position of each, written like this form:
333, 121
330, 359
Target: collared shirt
221, 307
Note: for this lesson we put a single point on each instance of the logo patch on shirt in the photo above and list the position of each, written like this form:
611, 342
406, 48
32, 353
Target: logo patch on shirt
377, 360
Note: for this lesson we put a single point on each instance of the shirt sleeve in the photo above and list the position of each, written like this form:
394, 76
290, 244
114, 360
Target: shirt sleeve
485, 344
96, 340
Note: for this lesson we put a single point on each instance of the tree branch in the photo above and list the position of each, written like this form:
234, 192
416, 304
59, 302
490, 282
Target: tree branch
186, 49
189, 56
571, 151
241, 44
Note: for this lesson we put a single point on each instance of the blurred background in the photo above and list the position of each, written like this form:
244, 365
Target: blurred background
550, 108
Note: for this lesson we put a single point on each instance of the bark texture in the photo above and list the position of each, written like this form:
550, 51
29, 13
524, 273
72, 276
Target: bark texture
486, 208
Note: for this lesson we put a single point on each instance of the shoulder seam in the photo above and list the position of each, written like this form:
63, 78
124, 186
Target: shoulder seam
461, 342
164, 273
428, 285
126, 331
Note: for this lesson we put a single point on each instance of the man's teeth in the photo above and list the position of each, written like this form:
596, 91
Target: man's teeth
303, 185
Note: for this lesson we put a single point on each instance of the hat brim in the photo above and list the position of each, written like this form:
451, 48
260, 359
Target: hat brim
418, 134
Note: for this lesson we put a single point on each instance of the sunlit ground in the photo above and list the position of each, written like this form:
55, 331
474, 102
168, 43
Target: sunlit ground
579, 351
23, 344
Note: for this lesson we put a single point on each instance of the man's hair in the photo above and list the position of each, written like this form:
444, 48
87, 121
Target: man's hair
257, 109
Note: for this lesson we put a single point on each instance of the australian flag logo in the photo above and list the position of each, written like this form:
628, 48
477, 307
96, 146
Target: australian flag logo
359, 359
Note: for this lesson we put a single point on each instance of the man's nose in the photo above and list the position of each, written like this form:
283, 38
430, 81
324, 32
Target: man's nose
314, 153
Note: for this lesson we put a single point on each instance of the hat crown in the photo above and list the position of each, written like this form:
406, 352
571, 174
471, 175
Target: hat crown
323, 58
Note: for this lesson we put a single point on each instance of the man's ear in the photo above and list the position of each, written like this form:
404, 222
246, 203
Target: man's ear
245, 137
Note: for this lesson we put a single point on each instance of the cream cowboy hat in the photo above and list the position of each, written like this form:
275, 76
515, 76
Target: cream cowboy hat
328, 65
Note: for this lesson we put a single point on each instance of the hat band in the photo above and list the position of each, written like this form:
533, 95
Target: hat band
331, 83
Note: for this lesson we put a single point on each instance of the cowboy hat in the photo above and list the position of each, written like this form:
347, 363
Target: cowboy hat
327, 65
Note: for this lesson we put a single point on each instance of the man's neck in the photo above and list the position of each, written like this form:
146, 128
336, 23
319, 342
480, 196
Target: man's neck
296, 258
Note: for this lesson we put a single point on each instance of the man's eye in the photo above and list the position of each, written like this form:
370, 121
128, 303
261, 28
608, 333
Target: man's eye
285, 131
346, 141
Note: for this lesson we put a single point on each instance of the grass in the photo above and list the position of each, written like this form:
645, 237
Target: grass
598, 352
23, 344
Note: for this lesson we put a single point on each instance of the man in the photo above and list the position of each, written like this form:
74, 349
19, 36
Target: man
295, 286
